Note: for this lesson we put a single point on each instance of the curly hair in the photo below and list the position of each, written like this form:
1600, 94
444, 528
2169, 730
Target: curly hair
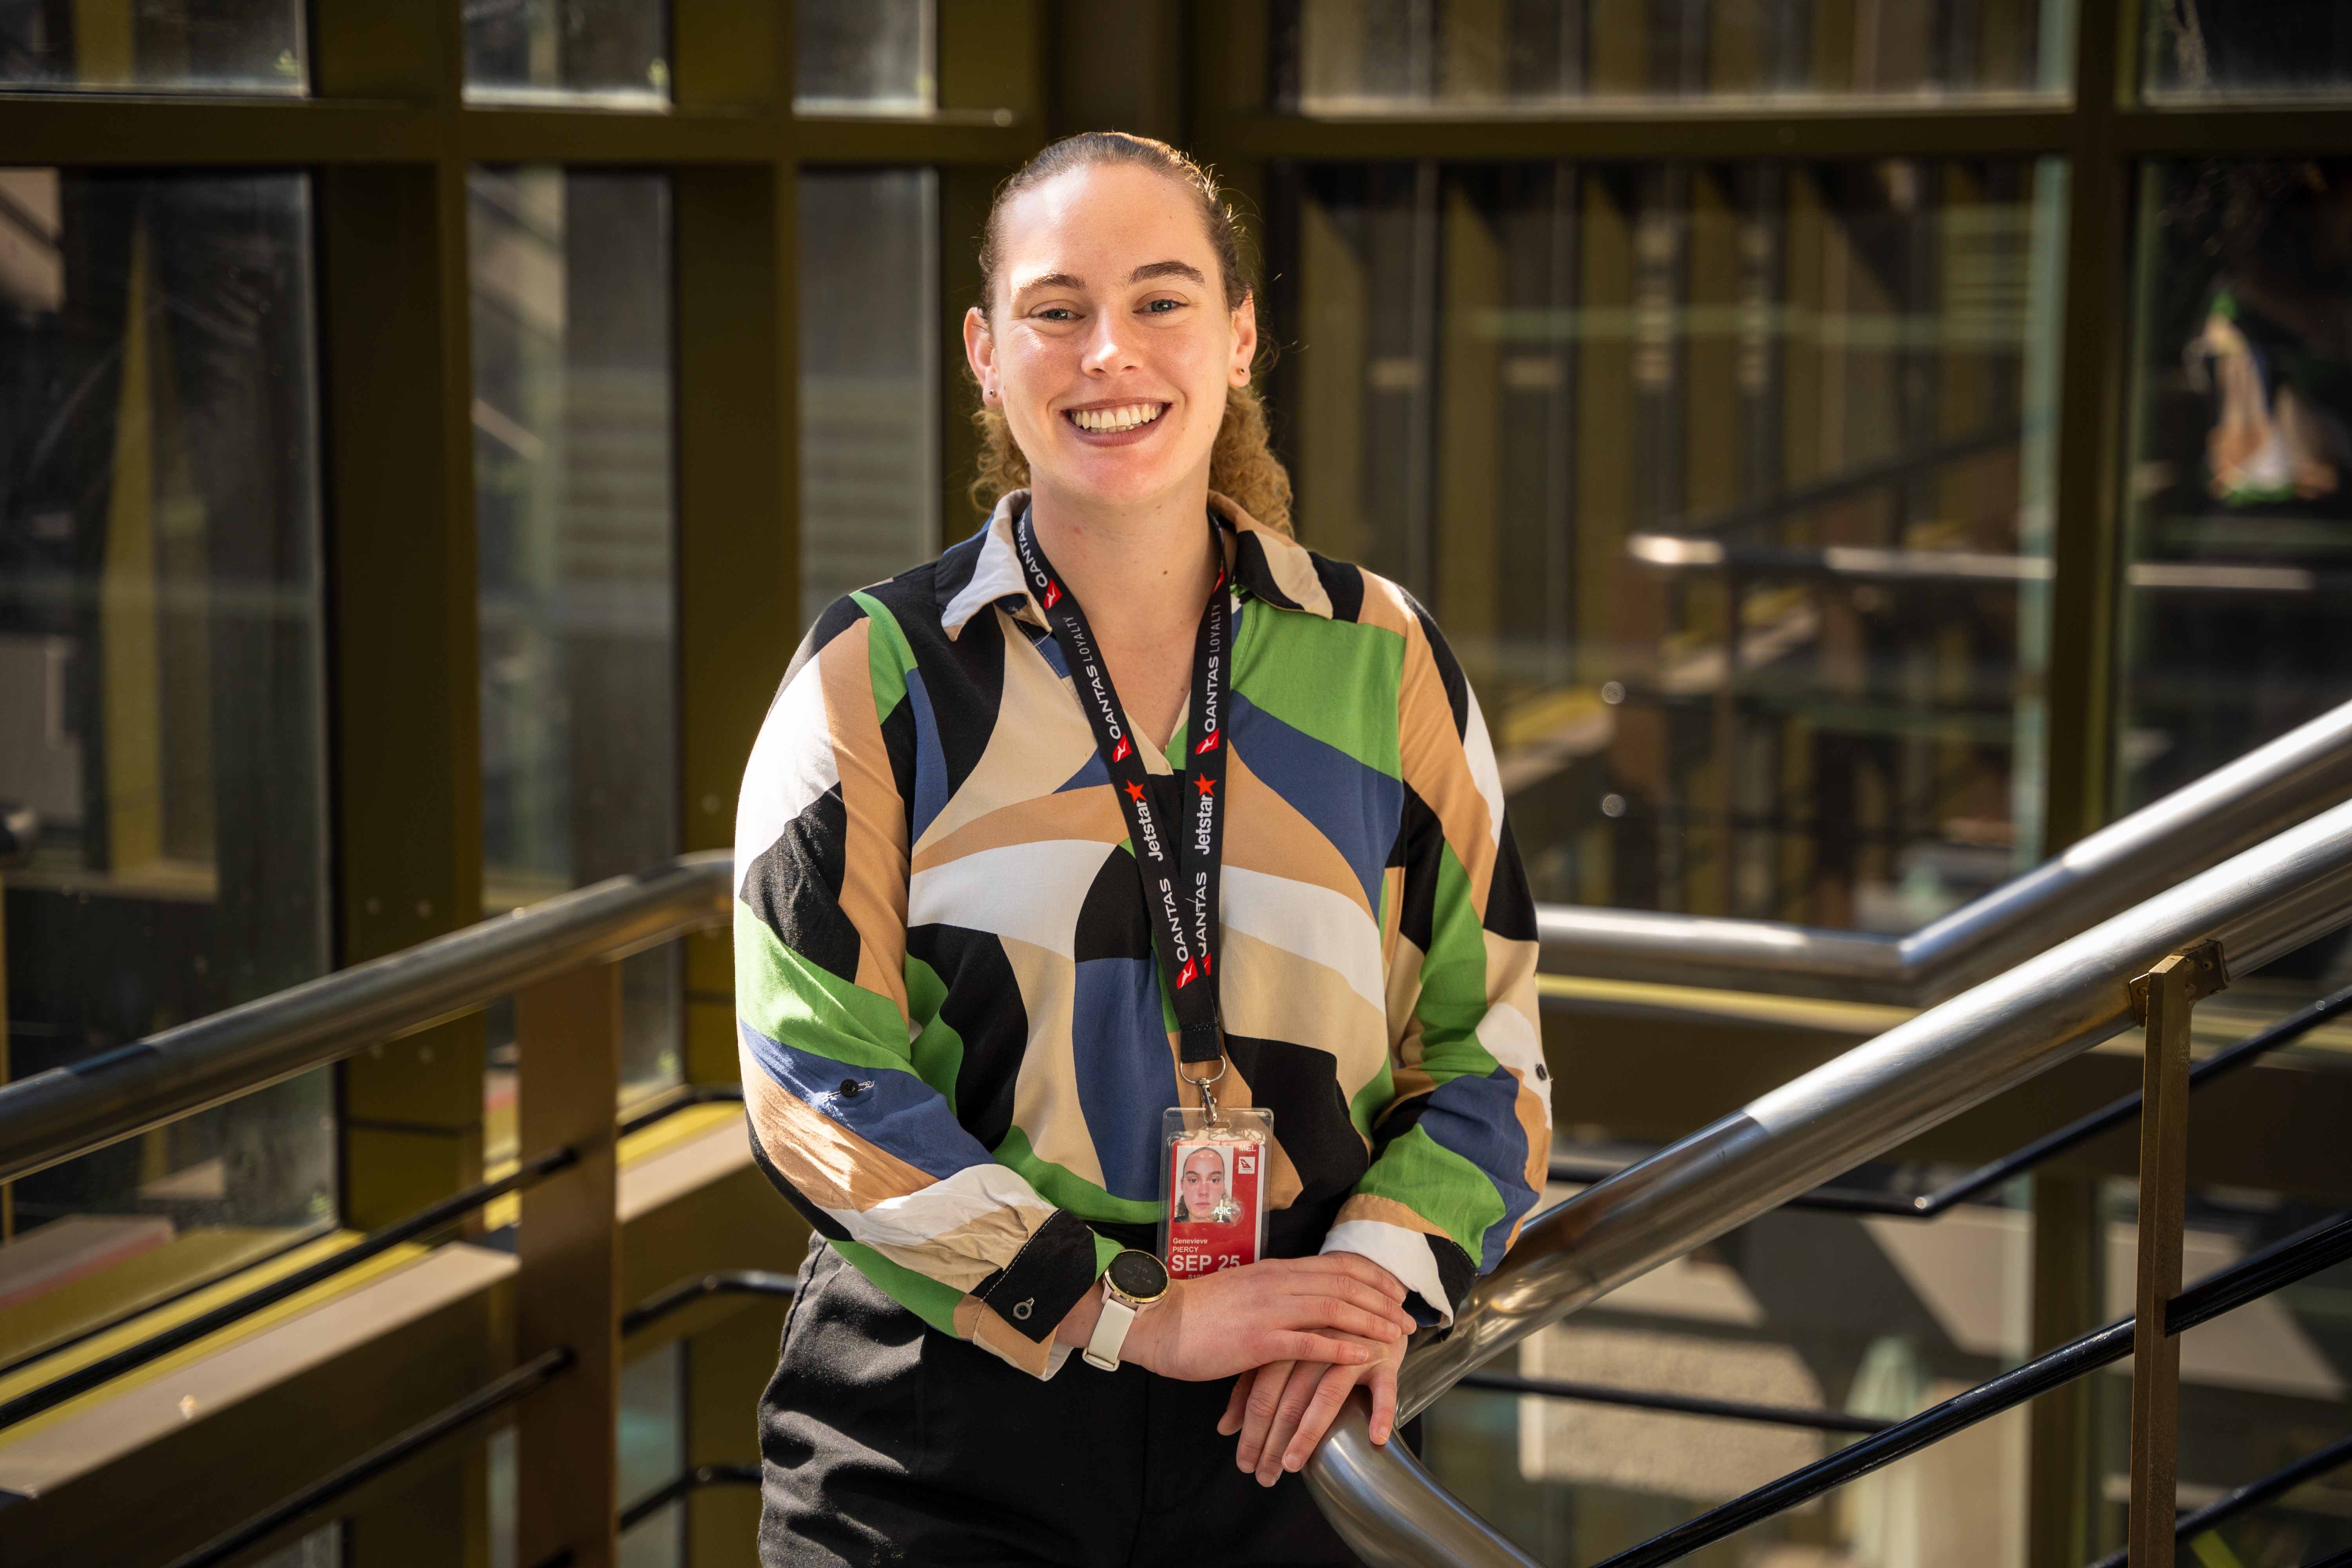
1242, 464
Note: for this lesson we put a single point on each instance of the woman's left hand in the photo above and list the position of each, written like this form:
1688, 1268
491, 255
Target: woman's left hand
1283, 1409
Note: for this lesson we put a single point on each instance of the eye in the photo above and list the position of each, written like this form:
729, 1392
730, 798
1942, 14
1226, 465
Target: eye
1164, 307
1055, 313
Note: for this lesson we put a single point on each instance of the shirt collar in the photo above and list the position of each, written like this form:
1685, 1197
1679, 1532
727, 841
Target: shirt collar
1265, 564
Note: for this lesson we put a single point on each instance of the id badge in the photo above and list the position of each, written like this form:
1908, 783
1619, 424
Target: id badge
1213, 1179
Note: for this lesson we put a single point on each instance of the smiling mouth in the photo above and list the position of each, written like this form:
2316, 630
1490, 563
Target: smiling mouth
1112, 421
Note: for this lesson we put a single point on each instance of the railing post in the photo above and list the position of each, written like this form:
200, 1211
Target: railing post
2163, 998
568, 1040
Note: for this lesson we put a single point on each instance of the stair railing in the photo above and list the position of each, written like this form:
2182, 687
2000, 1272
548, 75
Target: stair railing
2269, 789
2254, 907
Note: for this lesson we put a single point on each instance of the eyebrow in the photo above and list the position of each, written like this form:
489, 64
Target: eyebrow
1149, 271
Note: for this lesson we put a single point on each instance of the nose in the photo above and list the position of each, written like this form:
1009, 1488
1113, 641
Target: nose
1106, 351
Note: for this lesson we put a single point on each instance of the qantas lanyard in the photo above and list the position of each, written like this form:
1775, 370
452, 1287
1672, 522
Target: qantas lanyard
1180, 867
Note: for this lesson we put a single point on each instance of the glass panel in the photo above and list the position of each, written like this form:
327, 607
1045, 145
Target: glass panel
575, 525
1381, 56
2205, 48
1728, 483
863, 56
160, 725
612, 53
652, 1453
870, 379
149, 45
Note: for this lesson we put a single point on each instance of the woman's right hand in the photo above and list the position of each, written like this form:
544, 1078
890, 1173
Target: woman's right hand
1236, 1319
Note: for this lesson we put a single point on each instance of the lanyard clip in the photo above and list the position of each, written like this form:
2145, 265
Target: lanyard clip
1208, 1099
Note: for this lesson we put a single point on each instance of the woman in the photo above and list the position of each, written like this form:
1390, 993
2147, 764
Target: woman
955, 968
1202, 1189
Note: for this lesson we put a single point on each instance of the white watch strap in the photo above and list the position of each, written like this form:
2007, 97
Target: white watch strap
1111, 1333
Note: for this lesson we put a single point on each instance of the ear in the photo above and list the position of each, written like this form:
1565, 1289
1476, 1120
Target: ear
980, 348
1245, 341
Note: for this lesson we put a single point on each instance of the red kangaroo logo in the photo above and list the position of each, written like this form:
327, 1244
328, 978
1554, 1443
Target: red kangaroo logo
1118, 753
1052, 593
1208, 745
1186, 975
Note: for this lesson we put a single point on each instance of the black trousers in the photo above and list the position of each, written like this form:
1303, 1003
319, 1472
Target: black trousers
885, 1441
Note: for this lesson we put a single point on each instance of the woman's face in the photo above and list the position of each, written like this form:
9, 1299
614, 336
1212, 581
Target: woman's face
1204, 1182
1108, 348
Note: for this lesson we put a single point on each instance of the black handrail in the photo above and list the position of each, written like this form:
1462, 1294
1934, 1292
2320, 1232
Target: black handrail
724, 1281
2296, 1256
423, 1222
679, 1486
1681, 1404
491, 1396
2083, 1128
2250, 1497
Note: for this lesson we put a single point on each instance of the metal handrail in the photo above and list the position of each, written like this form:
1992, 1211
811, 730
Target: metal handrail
56, 1115
2195, 826
2260, 904
1999, 1172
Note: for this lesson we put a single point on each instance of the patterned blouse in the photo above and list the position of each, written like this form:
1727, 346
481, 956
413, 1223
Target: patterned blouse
954, 1047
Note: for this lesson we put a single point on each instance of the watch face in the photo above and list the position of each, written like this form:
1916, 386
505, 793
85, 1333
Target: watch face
1137, 1274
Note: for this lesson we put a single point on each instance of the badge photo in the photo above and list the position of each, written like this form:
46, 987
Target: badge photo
1212, 1184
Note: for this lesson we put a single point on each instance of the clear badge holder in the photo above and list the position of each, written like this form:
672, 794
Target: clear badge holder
1213, 1165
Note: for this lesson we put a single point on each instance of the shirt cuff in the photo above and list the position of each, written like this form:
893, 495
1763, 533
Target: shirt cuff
1405, 1254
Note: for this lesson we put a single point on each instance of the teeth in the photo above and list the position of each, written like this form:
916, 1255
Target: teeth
1110, 421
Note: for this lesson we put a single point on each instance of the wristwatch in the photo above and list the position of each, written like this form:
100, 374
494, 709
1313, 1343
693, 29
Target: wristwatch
1135, 1282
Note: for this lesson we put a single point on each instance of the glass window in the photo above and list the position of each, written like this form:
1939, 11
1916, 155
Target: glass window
1728, 483
1340, 57
575, 554
652, 1454
149, 45
614, 53
870, 378
2206, 48
160, 707
863, 56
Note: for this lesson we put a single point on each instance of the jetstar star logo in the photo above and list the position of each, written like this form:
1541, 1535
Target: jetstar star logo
1134, 790
1204, 786
1120, 752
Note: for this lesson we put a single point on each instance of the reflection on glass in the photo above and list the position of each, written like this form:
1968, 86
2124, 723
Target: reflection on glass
614, 53
2222, 48
160, 724
1727, 483
652, 1453
150, 45
862, 57
571, 463
870, 379
1337, 56
2239, 545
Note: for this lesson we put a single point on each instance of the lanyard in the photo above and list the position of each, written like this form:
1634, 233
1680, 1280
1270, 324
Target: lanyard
1180, 868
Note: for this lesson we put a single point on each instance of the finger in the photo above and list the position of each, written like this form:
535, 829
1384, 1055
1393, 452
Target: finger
1355, 1266
1331, 1392
1278, 1344
1296, 1394
1258, 1410
1236, 1406
1339, 1287
1330, 1312
1383, 1382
